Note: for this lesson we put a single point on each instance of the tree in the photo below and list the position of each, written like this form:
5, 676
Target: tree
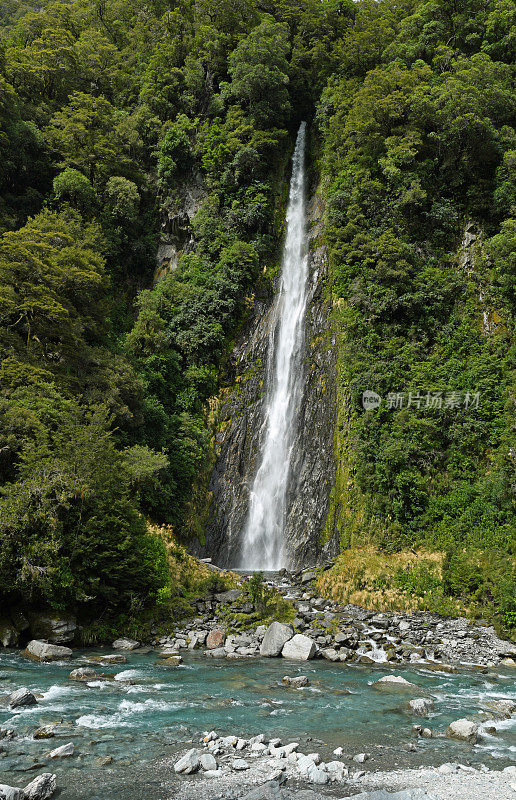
69, 533
51, 277
91, 136
258, 68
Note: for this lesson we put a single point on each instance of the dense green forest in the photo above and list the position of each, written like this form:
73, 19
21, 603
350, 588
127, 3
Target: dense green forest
111, 113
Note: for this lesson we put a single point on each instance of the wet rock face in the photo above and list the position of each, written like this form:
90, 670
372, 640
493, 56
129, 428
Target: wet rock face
239, 429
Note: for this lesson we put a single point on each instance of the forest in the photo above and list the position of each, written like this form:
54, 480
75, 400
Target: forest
113, 113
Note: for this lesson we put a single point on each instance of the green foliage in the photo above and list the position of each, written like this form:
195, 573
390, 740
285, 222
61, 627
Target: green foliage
72, 186
68, 532
117, 118
415, 313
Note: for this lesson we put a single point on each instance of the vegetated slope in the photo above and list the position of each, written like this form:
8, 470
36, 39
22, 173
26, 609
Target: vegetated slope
109, 113
418, 128
113, 115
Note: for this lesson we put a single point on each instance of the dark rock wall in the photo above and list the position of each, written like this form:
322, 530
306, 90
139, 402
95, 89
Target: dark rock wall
238, 421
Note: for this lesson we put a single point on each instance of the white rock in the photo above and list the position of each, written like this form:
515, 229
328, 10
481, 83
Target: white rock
212, 773
463, 729
42, 787
394, 682
188, 763
10, 792
338, 751
421, 706
229, 741
318, 776
258, 747
64, 751
125, 644
299, 648
360, 758
290, 748
241, 744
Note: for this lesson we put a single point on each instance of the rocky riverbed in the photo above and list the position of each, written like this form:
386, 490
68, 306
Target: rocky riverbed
336, 632
233, 768
339, 702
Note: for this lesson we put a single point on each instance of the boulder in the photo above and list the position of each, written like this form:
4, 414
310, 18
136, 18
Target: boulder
502, 708
299, 648
307, 577
8, 634
188, 763
125, 644
43, 651
84, 674
217, 652
318, 776
229, 597
44, 732
239, 764
421, 706
276, 636
463, 729
215, 639
42, 787
22, 697
330, 654
297, 682
65, 751
53, 628
11, 793
171, 661
115, 658
208, 761
395, 683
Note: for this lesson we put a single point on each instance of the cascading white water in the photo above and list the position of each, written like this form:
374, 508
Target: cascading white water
263, 545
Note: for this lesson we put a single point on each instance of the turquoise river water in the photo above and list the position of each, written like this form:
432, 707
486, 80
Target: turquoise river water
147, 711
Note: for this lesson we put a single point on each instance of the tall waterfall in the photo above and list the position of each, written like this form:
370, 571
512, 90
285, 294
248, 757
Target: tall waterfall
263, 545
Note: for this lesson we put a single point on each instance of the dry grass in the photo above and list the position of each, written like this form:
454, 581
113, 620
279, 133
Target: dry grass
366, 577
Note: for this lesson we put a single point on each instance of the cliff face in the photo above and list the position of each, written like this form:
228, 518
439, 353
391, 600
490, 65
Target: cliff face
239, 421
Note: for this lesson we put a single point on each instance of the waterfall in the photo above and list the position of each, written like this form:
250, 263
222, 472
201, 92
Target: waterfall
263, 545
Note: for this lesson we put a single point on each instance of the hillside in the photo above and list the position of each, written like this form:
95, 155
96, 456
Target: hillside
144, 159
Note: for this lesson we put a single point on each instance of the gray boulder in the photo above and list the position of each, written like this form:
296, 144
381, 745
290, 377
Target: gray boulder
42, 787
229, 597
299, 648
22, 697
43, 651
239, 764
188, 763
84, 674
54, 628
125, 644
208, 761
276, 636
464, 730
